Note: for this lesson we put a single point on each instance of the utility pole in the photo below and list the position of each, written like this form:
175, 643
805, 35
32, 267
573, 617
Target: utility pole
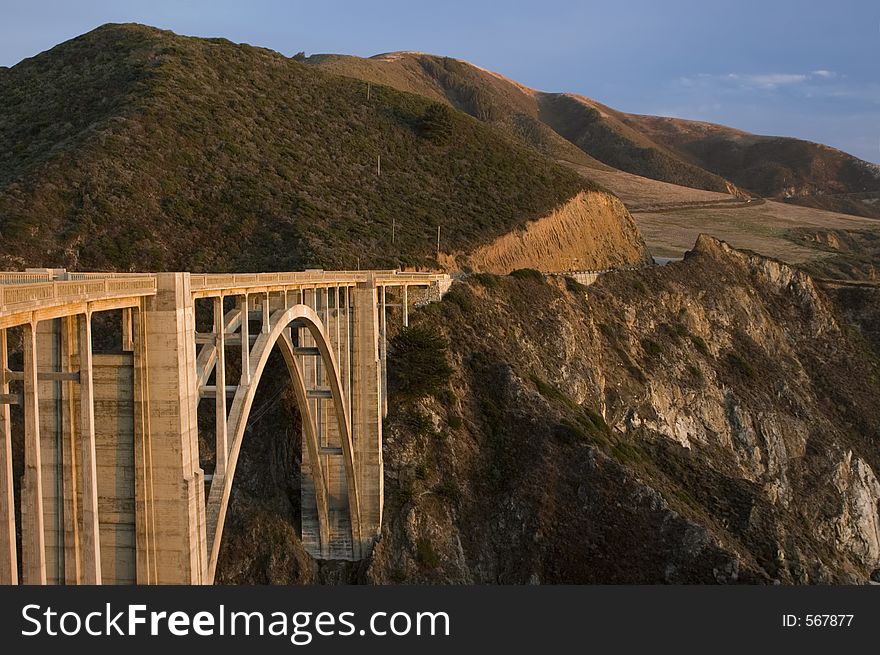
378, 164
369, 86
393, 225
438, 242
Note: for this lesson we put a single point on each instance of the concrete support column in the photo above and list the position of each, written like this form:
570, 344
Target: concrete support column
266, 313
90, 536
145, 507
405, 305
383, 349
348, 343
367, 407
33, 535
127, 334
72, 504
222, 446
51, 447
178, 492
8, 554
244, 306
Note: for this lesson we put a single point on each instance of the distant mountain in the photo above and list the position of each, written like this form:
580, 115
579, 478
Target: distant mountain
768, 165
568, 128
484, 95
132, 147
688, 153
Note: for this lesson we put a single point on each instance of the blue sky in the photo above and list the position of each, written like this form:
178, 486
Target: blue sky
805, 69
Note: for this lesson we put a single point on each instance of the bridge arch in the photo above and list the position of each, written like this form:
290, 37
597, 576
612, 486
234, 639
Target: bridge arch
279, 334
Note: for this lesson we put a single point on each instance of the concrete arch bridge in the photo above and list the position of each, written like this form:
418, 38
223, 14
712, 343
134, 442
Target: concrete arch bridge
112, 490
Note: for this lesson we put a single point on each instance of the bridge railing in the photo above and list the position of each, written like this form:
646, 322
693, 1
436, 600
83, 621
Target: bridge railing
49, 286
14, 296
98, 276
201, 281
24, 278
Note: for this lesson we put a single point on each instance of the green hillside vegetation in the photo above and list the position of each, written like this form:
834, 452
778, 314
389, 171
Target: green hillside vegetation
600, 131
485, 96
768, 165
684, 152
135, 148
574, 130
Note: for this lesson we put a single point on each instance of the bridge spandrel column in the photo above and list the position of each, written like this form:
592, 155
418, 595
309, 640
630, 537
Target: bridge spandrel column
367, 407
8, 554
50, 406
177, 480
33, 538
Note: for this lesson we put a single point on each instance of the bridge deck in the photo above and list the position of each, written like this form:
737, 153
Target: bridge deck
52, 293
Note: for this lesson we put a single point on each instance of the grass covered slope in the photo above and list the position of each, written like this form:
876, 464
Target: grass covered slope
487, 96
566, 127
768, 165
683, 152
600, 130
131, 147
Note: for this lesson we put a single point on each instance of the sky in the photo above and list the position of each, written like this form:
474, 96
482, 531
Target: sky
807, 69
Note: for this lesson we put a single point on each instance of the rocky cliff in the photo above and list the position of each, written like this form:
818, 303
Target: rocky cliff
710, 421
591, 231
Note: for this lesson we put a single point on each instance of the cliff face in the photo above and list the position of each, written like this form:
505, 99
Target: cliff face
591, 231
708, 421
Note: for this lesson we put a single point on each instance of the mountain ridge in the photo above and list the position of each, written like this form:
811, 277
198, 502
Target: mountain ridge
131, 147
788, 168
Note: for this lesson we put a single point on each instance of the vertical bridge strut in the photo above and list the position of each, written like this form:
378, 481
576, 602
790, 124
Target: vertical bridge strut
113, 489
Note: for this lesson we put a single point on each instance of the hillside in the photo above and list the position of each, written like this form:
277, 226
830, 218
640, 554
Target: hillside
135, 148
550, 122
708, 421
484, 95
683, 152
769, 165
600, 131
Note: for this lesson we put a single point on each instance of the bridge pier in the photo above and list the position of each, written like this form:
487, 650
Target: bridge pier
33, 533
167, 372
366, 410
8, 548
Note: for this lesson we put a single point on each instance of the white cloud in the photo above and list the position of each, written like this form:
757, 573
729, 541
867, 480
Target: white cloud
767, 80
760, 81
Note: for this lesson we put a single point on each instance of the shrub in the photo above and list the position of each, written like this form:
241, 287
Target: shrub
594, 422
740, 365
426, 555
652, 348
527, 274
437, 124
448, 490
461, 297
574, 286
551, 393
487, 280
700, 344
417, 362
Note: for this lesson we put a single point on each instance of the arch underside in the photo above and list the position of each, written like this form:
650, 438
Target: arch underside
331, 503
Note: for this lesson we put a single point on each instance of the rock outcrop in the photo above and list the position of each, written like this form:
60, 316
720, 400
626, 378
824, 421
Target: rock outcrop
592, 231
709, 421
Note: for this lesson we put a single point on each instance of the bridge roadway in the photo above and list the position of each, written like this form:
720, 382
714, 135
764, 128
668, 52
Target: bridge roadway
113, 488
